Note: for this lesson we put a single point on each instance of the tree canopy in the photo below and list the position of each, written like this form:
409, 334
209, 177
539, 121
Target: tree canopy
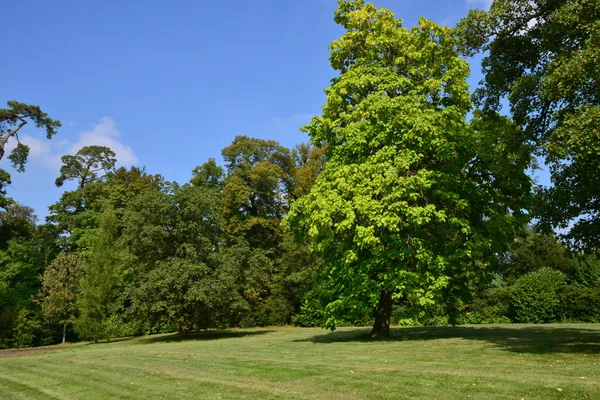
542, 55
413, 201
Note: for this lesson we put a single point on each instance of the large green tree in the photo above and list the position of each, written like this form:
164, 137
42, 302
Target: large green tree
543, 57
414, 201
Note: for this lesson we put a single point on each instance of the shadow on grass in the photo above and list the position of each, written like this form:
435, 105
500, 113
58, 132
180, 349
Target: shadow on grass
193, 336
521, 339
204, 335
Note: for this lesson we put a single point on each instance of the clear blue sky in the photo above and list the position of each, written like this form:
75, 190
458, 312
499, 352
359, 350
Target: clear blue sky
168, 84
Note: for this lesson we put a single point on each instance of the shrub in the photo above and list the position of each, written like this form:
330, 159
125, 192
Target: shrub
491, 306
536, 296
27, 330
581, 303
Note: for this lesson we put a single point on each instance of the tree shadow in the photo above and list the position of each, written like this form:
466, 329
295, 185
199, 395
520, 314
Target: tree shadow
174, 337
204, 335
539, 339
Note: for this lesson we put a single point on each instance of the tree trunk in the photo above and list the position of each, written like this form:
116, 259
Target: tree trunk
64, 332
383, 314
183, 333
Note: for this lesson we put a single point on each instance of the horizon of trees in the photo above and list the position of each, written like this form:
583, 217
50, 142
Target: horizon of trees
412, 204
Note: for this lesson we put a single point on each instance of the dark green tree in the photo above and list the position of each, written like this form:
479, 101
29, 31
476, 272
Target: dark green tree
542, 55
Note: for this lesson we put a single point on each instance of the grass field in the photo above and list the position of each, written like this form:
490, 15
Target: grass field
477, 362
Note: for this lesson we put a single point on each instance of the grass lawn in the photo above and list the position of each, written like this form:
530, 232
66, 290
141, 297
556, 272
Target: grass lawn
478, 362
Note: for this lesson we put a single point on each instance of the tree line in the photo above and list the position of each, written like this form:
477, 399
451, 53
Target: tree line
413, 204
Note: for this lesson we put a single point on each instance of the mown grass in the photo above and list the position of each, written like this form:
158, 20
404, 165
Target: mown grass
478, 362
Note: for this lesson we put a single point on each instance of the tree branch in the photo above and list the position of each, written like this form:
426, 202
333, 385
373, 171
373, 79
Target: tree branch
9, 135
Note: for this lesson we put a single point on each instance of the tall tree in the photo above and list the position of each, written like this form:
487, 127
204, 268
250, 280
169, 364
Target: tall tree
413, 200
542, 55
255, 194
15, 117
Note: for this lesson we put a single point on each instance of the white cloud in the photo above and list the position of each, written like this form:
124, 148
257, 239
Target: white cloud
49, 152
484, 3
105, 133
42, 150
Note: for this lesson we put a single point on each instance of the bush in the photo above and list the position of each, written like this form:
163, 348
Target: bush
585, 270
491, 306
27, 330
536, 297
581, 303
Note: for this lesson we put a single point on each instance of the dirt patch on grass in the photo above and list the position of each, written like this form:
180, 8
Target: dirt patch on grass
24, 352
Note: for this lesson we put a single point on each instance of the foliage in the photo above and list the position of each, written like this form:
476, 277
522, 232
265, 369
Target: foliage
27, 328
491, 306
532, 251
12, 119
174, 240
536, 296
255, 190
60, 286
543, 56
102, 294
581, 303
584, 269
85, 165
413, 201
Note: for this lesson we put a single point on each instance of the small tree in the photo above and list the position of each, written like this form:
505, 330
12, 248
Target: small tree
60, 285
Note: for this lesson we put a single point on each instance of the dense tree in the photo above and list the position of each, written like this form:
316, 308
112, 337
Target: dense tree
103, 290
255, 193
413, 201
208, 174
532, 251
175, 238
542, 55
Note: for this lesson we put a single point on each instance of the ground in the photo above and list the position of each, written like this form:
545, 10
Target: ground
477, 362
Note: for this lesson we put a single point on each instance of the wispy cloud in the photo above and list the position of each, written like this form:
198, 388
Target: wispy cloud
105, 133
49, 152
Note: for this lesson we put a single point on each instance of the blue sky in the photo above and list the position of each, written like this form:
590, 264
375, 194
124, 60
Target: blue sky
167, 85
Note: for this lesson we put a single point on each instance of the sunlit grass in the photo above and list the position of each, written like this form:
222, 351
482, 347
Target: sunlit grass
502, 361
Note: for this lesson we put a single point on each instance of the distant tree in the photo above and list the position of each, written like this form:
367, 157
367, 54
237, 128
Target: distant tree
60, 286
15, 117
255, 193
16, 221
174, 238
532, 251
85, 165
208, 174
309, 162
542, 55
413, 201
103, 287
